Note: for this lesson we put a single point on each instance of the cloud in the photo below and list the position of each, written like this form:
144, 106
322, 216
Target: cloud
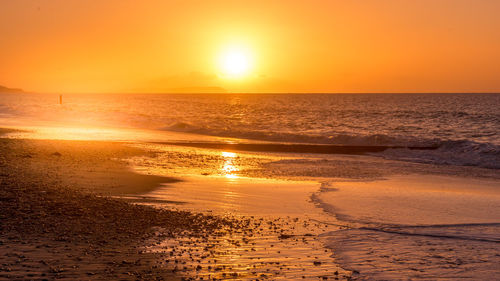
193, 82
199, 82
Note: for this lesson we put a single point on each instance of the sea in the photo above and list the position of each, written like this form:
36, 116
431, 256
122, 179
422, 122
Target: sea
464, 129
412, 179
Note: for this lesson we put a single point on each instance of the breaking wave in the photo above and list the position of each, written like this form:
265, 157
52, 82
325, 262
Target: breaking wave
403, 148
460, 153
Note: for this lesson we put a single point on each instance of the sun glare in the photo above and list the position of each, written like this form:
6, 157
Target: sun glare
234, 63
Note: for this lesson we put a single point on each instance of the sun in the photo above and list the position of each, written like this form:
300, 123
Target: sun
234, 63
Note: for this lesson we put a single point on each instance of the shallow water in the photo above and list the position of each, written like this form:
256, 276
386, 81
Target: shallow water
463, 126
421, 227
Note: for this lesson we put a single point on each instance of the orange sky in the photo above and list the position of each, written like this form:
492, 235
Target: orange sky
296, 46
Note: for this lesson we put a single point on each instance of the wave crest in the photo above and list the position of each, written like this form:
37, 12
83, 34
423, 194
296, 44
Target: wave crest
446, 152
451, 152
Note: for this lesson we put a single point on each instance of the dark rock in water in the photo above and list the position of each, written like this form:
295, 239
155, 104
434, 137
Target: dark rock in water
317, 263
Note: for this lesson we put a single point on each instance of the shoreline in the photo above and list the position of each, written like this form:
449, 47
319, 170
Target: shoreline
60, 219
98, 210
440, 197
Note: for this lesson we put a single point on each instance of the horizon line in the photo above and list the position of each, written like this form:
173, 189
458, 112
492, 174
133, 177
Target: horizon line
255, 93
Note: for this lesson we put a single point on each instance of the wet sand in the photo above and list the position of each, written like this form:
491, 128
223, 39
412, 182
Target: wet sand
400, 221
68, 211
284, 243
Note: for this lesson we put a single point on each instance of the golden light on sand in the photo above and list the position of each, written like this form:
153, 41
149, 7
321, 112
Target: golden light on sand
235, 62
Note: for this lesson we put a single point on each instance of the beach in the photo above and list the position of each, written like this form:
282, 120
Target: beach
58, 223
250, 140
297, 199
61, 219
95, 210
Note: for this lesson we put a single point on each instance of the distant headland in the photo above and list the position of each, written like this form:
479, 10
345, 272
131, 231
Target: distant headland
4, 89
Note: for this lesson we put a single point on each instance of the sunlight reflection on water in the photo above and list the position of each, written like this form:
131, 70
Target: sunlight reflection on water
228, 167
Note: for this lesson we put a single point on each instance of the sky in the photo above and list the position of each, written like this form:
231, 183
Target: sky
286, 46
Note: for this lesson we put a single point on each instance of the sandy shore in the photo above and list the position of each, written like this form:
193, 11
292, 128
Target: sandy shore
66, 213
55, 223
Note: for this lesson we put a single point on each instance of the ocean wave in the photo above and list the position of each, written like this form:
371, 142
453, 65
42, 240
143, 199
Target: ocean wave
334, 138
6, 111
403, 148
451, 152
